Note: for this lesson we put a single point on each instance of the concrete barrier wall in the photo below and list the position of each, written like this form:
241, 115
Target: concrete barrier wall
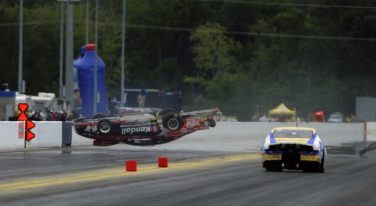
231, 136
245, 136
371, 131
47, 134
338, 133
9, 135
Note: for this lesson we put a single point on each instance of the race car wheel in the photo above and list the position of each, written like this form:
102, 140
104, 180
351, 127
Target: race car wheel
274, 169
104, 126
171, 119
277, 167
321, 166
211, 122
315, 167
173, 123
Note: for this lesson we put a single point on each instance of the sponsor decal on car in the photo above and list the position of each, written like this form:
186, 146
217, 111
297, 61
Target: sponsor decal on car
131, 130
142, 127
136, 124
91, 128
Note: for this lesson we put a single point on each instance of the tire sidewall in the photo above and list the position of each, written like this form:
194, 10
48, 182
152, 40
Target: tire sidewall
211, 123
173, 123
102, 123
170, 116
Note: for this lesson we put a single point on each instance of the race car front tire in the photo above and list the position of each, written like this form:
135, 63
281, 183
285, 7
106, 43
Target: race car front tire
211, 122
104, 126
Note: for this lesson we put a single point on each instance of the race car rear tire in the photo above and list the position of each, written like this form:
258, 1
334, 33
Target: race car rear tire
104, 126
173, 123
273, 169
273, 166
315, 167
321, 168
171, 119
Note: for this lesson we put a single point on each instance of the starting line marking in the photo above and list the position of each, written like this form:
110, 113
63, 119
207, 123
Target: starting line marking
99, 175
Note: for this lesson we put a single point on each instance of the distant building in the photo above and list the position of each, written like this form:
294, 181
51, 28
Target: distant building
10, 99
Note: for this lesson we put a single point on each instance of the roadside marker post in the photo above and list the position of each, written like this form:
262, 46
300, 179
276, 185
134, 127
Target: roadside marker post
28, 135
23, 109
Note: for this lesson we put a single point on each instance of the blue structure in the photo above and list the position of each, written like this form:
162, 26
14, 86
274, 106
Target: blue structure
11, 94
77, 101
85, 68
75, 63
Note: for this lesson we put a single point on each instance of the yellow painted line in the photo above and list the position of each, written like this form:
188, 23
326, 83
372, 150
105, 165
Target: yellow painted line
105, 174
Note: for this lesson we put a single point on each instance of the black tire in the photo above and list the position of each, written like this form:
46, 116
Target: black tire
173, 123
274, 167
309, 169
171, 119
104, 126
211, 122
321, 168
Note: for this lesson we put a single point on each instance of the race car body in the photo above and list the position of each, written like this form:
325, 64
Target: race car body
143, 126
293, 148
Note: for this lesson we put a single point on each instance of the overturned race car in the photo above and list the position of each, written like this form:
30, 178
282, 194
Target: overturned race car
143, 127
294, 148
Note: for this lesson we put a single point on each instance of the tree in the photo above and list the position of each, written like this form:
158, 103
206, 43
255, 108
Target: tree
218, 70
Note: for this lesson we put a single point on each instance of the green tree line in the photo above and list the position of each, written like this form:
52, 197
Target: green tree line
245, 57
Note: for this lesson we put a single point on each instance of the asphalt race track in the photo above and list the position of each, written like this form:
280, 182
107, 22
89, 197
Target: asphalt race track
96, 176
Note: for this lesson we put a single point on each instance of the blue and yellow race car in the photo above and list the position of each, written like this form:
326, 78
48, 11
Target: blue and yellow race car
294, 148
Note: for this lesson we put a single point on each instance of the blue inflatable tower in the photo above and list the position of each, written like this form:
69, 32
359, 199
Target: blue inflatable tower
85, 69
76, 89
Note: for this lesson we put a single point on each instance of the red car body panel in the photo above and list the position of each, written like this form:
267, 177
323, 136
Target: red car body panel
141, 129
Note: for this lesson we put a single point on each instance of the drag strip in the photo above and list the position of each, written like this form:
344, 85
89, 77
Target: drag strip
102, 175
192, 178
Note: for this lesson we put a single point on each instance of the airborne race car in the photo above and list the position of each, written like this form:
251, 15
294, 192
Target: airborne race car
294, 148
143, 126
